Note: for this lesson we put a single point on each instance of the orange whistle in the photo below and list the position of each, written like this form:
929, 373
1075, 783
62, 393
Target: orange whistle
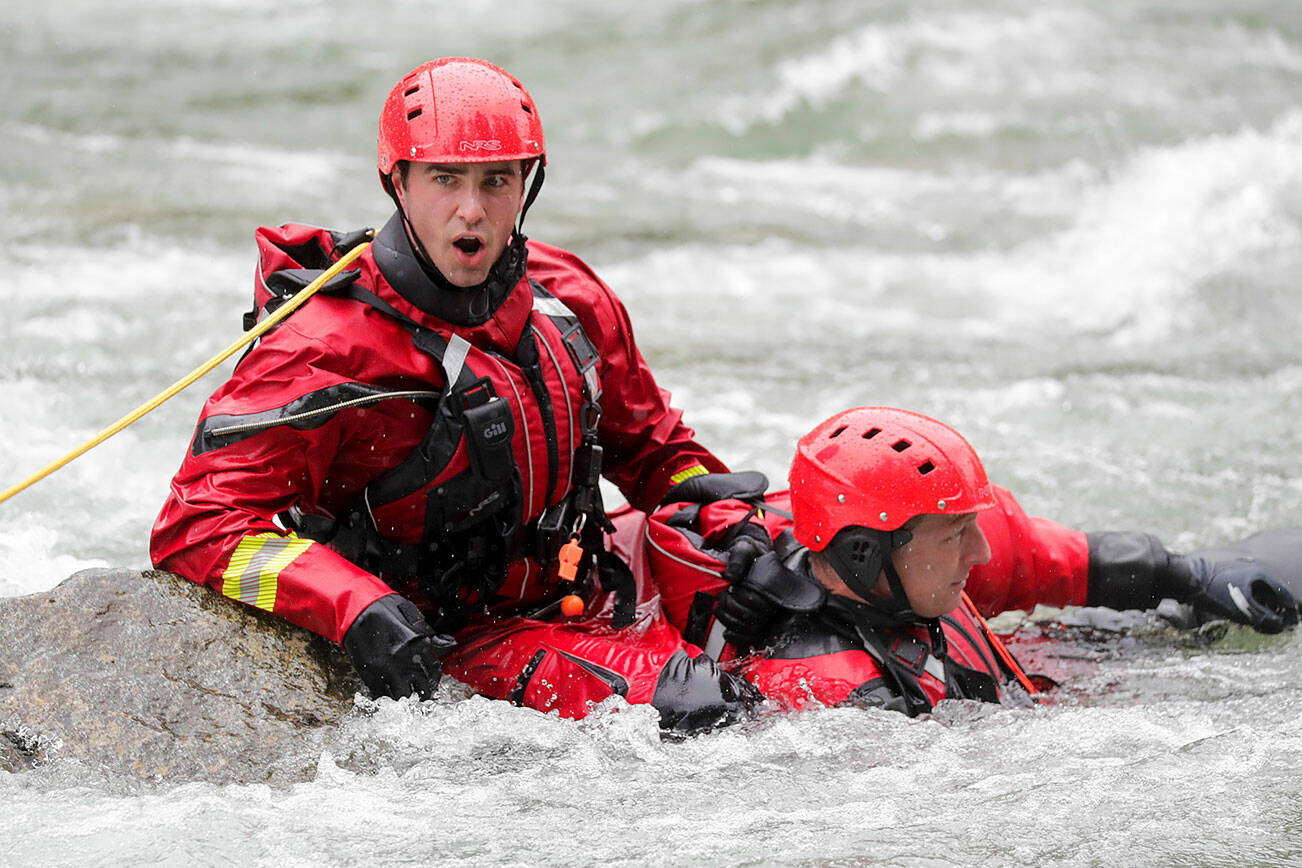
570, 555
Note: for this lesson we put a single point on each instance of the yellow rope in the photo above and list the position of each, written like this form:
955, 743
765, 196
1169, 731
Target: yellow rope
188, 380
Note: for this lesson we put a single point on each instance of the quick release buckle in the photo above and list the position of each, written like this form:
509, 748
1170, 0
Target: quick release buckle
477, 394
585, 357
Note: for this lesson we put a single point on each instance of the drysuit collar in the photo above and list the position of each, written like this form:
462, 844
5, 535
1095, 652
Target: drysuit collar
418, 280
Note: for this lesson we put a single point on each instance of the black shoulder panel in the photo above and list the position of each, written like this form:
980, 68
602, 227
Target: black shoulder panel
802, 637
309, 254
303, 413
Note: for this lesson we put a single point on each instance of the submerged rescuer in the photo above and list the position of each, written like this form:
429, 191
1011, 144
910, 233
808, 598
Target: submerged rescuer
430, 430
897, 545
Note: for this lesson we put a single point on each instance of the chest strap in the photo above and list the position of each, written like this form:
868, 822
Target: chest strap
582, 351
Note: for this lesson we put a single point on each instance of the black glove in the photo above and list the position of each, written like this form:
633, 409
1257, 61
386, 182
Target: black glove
394, 650
746, 614
746, 485
755, 603
1130, 570
1239, 590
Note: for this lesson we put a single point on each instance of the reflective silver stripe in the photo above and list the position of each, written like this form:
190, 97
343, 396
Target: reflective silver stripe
253, 573
342, 405
366, 502
709, 572
714, 643
553, 307
550, 306
935, 668
250, 577
455, 358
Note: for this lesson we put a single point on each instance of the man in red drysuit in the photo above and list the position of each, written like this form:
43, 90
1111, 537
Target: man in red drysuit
401, 465
893, 524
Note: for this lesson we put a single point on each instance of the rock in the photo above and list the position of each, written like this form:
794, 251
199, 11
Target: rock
151, 676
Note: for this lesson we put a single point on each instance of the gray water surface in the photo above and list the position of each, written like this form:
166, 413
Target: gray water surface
1070, 229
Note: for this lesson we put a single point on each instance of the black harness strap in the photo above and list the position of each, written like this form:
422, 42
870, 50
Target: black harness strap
482, 507
903, 681
440, 441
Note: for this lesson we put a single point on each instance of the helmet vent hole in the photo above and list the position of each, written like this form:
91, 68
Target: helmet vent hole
859, 552
926, 467
836, 433
409, 91
414, 113
526, 108
871, 433
901, 445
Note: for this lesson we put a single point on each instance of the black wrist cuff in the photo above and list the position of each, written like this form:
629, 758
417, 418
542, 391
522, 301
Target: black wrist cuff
1132, 570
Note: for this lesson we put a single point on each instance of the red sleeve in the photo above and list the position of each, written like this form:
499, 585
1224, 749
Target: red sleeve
647, 446
1032, 560
826, 679
216, 526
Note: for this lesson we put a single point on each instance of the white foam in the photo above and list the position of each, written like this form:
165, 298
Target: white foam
285, 170
32, 557
93, 334
952, 50
1165, 221
1125, 253
219, 171
140, 267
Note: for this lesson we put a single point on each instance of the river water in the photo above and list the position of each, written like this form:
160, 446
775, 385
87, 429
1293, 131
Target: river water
1071, 229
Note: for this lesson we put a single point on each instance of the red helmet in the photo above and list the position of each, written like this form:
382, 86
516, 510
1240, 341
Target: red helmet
878, 467
458, 110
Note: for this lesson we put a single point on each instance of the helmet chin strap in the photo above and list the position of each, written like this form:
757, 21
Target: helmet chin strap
471, 305
899, 599
516, 244
534, 189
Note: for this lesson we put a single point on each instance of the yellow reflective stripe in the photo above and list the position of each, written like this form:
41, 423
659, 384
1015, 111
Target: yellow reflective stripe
694, 470
254, 570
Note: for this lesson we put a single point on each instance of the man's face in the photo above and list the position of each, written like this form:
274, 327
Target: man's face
462, 213
933, 566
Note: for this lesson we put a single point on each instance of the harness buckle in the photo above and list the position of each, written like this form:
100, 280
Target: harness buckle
477, 394
550, 532
587, 477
